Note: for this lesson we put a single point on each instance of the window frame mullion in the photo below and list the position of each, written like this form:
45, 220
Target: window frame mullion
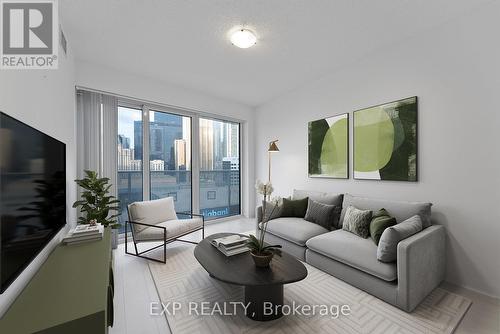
146, 176
195, 163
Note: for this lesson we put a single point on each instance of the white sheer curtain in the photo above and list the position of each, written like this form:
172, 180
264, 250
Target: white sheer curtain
110, 140
97, 132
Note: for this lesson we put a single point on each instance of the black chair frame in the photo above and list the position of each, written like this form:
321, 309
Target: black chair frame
165, 240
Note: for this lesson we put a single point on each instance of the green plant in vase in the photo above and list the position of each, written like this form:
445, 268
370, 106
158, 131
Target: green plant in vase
96, 203
262, 253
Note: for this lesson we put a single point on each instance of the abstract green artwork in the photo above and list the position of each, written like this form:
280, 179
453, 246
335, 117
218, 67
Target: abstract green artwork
385, 141
329, 147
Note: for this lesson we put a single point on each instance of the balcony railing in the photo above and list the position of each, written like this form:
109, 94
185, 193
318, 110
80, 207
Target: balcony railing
219, 191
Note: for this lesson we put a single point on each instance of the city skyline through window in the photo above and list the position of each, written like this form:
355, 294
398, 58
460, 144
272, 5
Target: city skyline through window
130, 175
219, 168
169, 160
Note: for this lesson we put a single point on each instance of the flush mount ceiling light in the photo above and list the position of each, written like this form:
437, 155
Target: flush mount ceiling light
243, 38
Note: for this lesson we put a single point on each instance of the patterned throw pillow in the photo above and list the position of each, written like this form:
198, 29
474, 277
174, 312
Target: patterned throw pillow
357, 221
321, 214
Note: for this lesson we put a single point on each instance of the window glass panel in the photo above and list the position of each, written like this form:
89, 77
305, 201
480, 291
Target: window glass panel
219, 168
129, 159
170, 158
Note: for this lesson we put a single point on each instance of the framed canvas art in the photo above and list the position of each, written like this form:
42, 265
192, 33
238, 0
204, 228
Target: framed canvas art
385, 141
328, 147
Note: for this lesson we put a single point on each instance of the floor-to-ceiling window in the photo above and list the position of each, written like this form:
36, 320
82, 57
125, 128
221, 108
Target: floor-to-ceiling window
130, 168
155, 150
170, 158
219, 168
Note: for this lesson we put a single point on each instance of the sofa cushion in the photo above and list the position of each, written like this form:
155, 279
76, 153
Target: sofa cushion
354, 251
174, 228
318, 196
398, 209
324, 198
296, 230
151, 212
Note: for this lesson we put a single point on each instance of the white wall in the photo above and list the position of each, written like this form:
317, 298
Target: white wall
44, 99
455, 72
129, 85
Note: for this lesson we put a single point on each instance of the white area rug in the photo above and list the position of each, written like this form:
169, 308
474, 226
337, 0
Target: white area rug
183, 280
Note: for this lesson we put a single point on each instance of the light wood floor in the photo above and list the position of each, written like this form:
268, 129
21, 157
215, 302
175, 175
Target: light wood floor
135, 290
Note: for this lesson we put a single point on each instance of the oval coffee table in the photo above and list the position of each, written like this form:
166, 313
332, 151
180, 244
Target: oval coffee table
262, 285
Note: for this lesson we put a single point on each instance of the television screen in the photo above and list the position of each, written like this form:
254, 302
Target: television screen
32, 194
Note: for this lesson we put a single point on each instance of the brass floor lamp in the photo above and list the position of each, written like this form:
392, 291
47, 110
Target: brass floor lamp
273, 148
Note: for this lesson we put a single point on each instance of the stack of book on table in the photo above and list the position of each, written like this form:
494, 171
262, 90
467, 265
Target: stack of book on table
231, 245
84, 233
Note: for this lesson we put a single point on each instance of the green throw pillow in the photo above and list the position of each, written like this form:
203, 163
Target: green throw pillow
294, 208
380, 221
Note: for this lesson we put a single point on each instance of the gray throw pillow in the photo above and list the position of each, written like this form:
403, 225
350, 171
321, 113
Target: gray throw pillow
270, 213
387, 250
324, 198
319, 213
357, 221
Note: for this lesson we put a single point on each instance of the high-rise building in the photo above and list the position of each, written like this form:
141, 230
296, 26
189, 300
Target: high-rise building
156, 165
180, 154
234, 144
163, 131
135, 165
232, 164
206, 144
126, 155
186, 136
137, 140
218, 140
219, 143
123, 141
126, 160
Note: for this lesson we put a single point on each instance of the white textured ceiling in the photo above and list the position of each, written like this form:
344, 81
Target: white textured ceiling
185, 42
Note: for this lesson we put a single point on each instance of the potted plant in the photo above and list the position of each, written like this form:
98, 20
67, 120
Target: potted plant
96, 203
261, 253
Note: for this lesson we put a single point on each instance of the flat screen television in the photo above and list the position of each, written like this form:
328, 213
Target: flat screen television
32, 194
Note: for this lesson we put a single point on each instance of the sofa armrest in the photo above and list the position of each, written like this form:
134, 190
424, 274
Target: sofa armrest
421, 265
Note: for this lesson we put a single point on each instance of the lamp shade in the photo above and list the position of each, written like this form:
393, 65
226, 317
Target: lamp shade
273, 147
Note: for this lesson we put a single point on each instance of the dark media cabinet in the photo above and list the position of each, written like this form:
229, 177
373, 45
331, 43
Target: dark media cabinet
72, 292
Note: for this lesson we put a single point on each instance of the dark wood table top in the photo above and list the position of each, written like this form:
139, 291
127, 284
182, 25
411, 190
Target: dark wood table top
241, 270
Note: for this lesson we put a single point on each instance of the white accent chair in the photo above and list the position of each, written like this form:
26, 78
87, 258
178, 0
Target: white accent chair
156, 220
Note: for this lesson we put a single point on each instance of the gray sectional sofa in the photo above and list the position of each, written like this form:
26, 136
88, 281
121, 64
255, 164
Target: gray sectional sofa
420, 265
